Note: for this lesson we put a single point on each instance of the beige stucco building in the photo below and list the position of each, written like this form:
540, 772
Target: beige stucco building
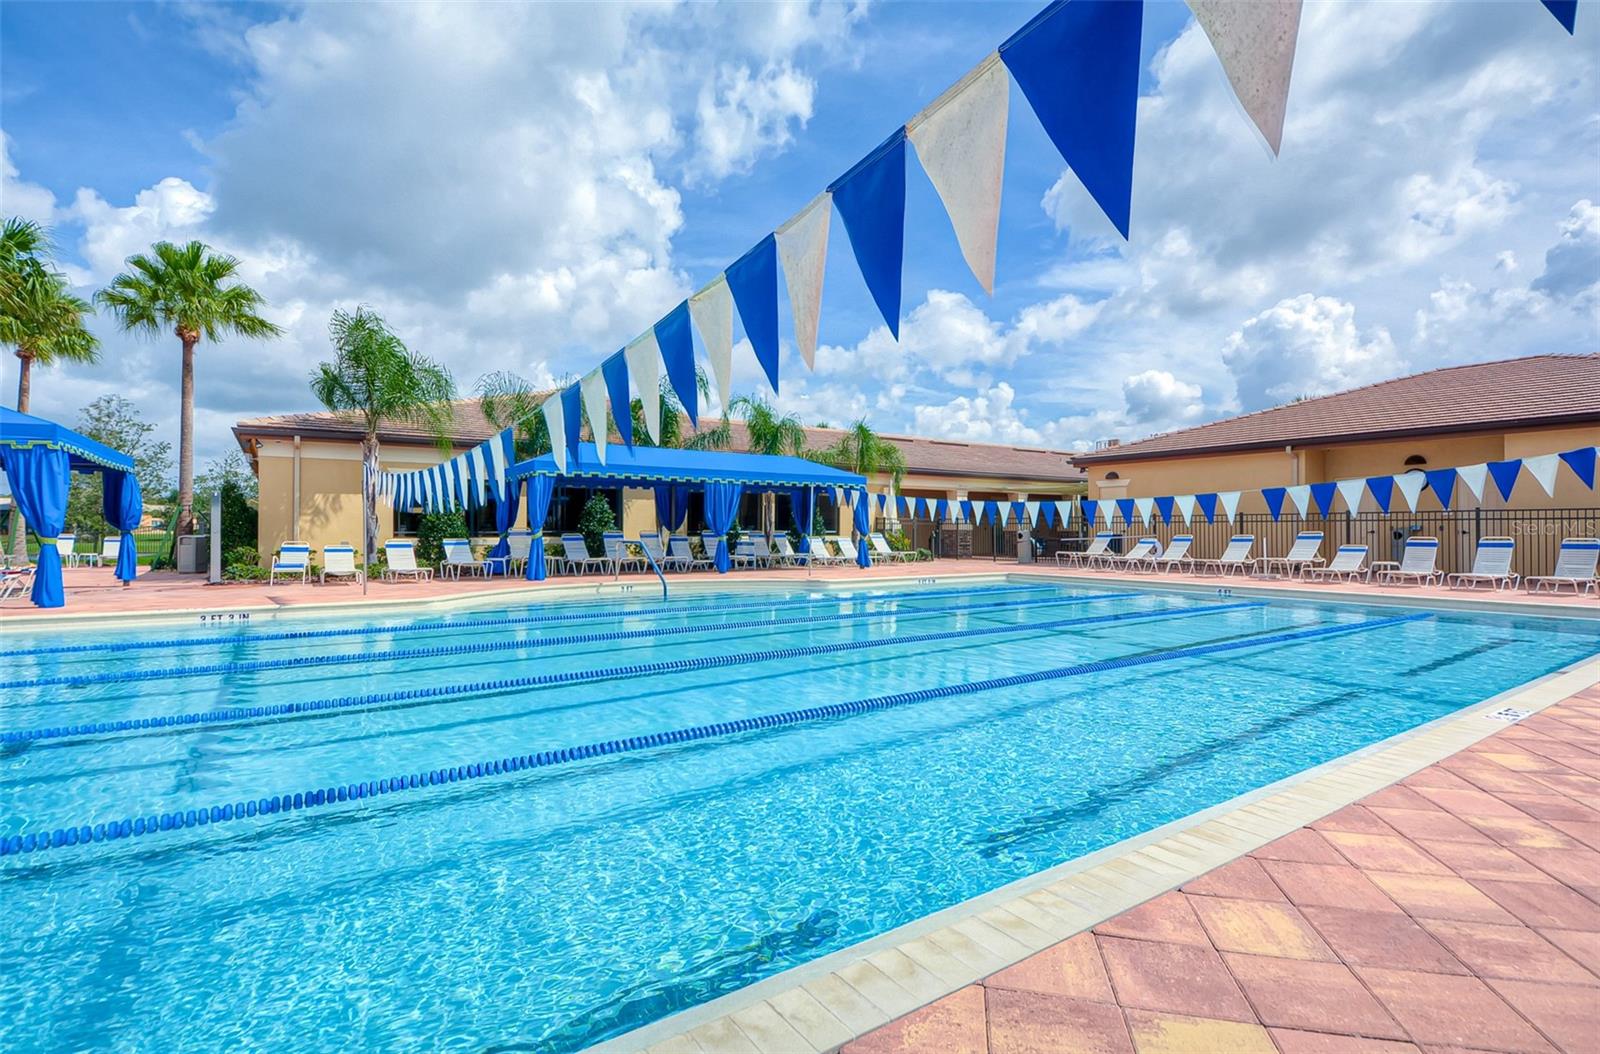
309, 469
1457, 416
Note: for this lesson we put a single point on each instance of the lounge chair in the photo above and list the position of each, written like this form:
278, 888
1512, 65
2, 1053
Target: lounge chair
1235, 557
764, 551
1349, 562
1305, 552
16, 582
458, 557
1420, 564
847, 549
784, 552
1491, 564
1143, 551
1175, 556
294, 558
1576, 564
340, 562
881, 550
1096, 548
822, 553
708, 542
65, 545
681, 553
657, 554
519, 547
744, 553
110, 549
400, 561
617, 553
575, 555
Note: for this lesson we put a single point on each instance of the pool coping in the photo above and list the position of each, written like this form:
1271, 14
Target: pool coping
823, 1004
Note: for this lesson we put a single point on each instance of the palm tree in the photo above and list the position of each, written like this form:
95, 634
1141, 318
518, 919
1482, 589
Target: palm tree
509, 401
375, 375
185, 289
769, 433
863, 451
40, 319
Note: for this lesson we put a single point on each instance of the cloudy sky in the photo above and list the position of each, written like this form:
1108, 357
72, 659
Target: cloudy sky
528, 187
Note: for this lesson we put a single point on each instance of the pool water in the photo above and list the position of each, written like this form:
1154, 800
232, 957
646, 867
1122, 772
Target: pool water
551, 906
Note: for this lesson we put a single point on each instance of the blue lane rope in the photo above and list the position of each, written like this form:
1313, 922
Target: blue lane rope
545, 680
135, 827
653, 611
484, 647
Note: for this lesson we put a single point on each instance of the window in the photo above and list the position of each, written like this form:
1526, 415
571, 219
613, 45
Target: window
1113, 475
480, 521
1415, 460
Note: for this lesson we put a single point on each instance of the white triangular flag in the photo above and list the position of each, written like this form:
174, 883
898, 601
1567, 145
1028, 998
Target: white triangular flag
1351, 490
497, 464
1543, 468
803, 248
1301, 496
961, 142
1109, 507
1229, 499
1186, 506
1144, 506
1255, 42
593, 388
555, 422
1033, 512
712, 311
1064, 512
1474, 476
480, 470
644, 366
1004, 508
1410, 485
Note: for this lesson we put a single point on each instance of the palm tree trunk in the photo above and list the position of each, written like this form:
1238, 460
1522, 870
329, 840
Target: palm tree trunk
186, 437
369, 482
19, 530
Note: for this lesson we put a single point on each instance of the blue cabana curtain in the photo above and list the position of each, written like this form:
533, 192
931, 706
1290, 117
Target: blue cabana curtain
540, 488
672, 506
505, 514
123, 505
722, 505
38, 478
863, 525
801, 503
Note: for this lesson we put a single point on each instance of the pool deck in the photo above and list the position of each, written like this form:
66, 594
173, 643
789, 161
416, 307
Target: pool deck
1458, 909
93, 592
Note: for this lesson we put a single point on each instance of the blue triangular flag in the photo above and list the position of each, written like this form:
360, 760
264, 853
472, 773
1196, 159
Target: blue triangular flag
1125, 506
1504, 474
753, 280
991, 512
1274, 499
871, 198
919, 509
1566, 12
1208, 506
572, 418
1091, 509
941, 508
966, 511
677, 351
1581, 461
1382, 490
901, 505
1077, 63
1164, 507
615, 371
1442, 481
1322, 494
1048, 510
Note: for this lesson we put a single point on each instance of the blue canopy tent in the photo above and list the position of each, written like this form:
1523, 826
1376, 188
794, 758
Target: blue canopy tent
722, 477
39, 458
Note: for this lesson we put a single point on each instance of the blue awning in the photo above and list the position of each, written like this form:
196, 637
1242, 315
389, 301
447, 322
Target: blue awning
23, 431
645, 466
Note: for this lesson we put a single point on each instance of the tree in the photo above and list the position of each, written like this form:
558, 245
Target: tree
231, 477
41, 320
509, 401
769, 433
373, 374
595, 520
116, 422
863, 451
190, 291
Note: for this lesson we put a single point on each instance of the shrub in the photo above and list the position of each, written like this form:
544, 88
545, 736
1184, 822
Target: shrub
897, 541
596, 519
433, 530
240, 556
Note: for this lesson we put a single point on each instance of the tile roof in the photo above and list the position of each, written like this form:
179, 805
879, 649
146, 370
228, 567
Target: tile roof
1512, 393
924, 456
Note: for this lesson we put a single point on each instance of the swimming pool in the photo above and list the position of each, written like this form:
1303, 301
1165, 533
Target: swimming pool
563, 821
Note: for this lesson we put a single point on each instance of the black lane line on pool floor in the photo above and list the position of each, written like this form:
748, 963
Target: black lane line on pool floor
133, 827
354, 658
654, 611
241, 714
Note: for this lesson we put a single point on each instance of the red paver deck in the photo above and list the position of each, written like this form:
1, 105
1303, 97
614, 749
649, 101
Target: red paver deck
1456, 911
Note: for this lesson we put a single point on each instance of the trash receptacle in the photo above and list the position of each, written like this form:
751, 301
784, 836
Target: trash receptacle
194, 554
1024, 548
